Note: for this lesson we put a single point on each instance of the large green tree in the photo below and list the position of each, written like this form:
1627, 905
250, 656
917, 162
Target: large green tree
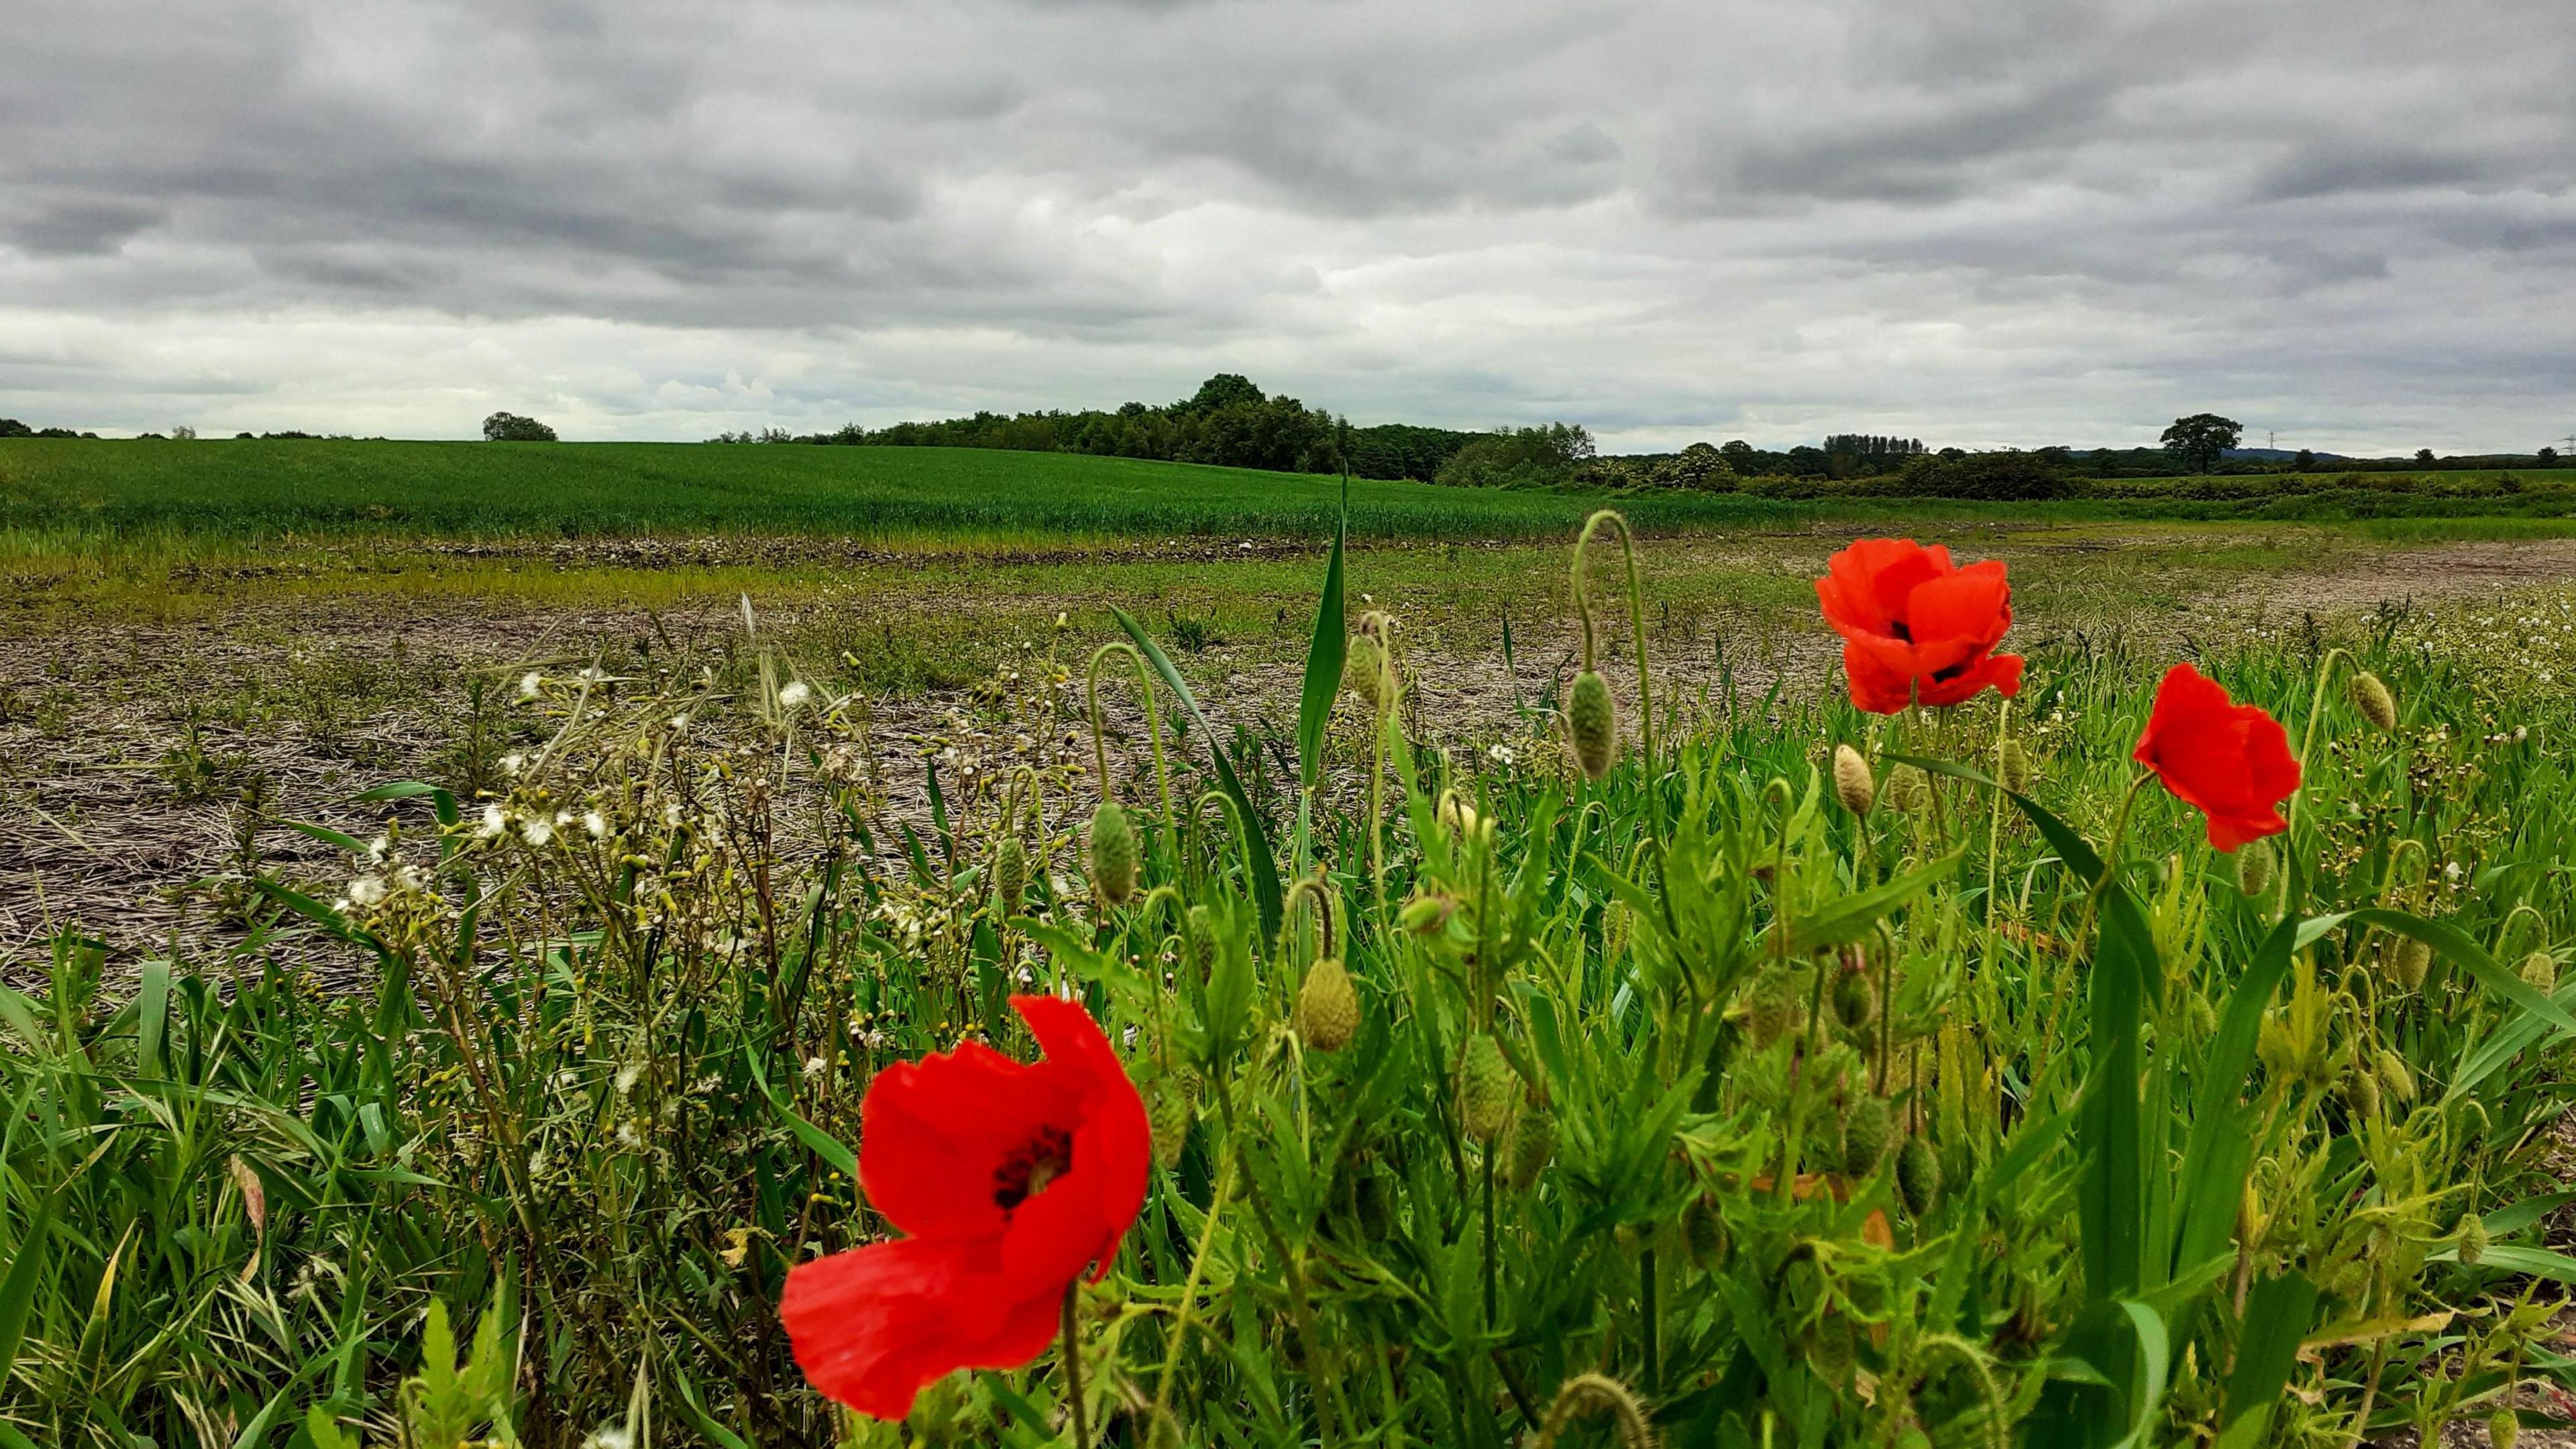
2199, 441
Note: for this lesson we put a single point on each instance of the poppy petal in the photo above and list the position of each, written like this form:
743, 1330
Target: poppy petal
933, 1133
872, 1326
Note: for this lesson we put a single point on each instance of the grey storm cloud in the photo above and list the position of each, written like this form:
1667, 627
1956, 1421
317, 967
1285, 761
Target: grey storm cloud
1973, 220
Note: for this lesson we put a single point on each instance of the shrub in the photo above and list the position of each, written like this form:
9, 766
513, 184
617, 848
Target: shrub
512, 428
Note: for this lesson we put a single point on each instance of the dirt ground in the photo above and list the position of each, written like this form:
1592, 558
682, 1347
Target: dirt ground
126, 749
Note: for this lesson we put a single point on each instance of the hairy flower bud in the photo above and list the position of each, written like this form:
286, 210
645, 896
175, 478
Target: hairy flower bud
2472, 1243
1592, 723
1533, 1142
1427, 915
1704, 1233
2254, 862
1488, 1089
1169, 1114
1868, 1124
1769, 1006
1113, 854
1364, 670
1853, 783
1918, 1176
2395, 1077
1855, 1000
2012, 767
1198, 940
2361, 1093
2408, 960
1011, 872
1328, 1006
1908, 789
2504, 1427
2540, 972
2370, 696
1459, 817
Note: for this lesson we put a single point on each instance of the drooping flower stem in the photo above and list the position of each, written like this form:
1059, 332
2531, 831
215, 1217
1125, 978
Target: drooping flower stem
1636, 624
1189, 1298
1153, 727
2307, 748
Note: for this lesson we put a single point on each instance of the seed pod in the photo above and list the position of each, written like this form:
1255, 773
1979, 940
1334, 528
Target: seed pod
1459, 818
1918, 1176
1769, 1005
1173, 1108
2472, 1243
1533, 1142
1011, 872
2361, 1092
2504, 1426
2540, 972
1704, 1233
2204, 1017
2395, 1077
1592, 724
2254, 862
1328, 1007
1853, 783
1488, 1089
1364, 670
2408, 960
2012, 767
1867, 1125
1113, 854
1198, 939
1855, 1000
2370, 696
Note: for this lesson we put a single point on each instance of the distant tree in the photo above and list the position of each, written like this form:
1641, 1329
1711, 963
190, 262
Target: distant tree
512, 428
12, 428
1541, 457
2549, 457
2423, 455
2199, 441
2306, 461
183, 433
1226, 389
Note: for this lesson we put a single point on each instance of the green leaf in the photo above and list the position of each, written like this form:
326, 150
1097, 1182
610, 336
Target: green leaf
2147, 1393
832, 1150
2514, 1258
2455, 946
2277, 1313
18, 1289
1324, 654
1256, 840
2220, 1147
2111, 1201
152, 1016
1850, 918
2505, 1222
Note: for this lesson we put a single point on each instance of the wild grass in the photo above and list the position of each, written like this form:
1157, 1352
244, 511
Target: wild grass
2211, 1165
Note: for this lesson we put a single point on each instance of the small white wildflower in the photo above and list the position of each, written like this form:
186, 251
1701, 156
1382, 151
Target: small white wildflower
512, 763
671, 813
813, 1065
593, 674
531, 684
538, 831
494, 822
628, 1137
679, 724
379, 848
366, 890
1127, 1038
596, 824
794, 695
2451, 871
614, 1437
627, 1076
1499, 754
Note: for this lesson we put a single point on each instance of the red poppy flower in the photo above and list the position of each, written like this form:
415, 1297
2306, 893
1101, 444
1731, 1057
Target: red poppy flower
1917, 628
1010, 1179
2230, 761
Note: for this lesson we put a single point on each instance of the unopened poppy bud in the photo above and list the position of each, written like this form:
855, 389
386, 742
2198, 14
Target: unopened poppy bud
2395, 1077
1908, 789
1853, 783
1113, 854
1364, 670
1328, 1007
1198, 939
1703, 1233
1867, 1126
1459, 818
1169, 1118
2370, 696
1371, 1205
2254, 863
1011, 872
1918, 1176
2361, 1092
1855, 1000
2504, 1427
2012, 766
1426, 915
1488, 1088
2472, 1243
1533, 1142
1592, 723
1768, 1006
2540, 972
2204, 1017
2408, 960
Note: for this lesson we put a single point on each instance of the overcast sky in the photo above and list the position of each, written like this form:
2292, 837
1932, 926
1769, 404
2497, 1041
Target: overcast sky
1976, 221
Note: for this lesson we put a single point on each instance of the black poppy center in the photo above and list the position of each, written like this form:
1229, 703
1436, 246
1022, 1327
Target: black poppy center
1901, 630
1028, 1168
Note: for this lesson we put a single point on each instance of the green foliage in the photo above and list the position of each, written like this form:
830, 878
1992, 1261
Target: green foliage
512, 428
2199, 441
1546, 456
1606, 1147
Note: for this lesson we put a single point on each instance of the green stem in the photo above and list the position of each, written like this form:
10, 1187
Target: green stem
1073, 1368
